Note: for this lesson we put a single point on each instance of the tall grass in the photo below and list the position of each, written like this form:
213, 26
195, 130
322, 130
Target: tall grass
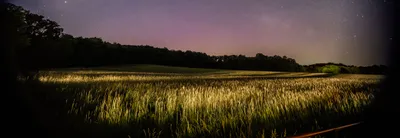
218, 105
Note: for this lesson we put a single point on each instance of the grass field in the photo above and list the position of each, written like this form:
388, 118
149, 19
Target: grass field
160, 101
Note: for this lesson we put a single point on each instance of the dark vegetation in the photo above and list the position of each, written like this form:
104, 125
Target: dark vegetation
345, 69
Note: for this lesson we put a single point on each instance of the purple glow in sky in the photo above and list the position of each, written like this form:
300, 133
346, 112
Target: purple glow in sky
310, 31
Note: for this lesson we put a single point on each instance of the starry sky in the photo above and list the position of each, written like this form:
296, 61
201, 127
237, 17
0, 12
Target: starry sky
310, 31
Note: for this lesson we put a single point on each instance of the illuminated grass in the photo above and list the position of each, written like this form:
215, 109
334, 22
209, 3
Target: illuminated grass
230, 103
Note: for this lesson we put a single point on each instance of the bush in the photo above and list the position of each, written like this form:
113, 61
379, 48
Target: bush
331, 69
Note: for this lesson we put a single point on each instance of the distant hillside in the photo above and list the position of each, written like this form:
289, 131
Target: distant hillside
345, 69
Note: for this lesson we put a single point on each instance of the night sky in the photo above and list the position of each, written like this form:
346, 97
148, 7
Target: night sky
310, 31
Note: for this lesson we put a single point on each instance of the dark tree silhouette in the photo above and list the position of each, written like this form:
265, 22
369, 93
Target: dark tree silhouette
348, 69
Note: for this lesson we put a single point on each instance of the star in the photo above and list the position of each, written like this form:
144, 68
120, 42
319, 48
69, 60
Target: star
281, 6
65, 1
354, 36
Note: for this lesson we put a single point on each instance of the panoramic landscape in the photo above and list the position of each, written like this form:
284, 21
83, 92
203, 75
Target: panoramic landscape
101, 83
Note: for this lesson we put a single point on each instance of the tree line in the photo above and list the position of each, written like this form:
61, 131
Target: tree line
39, 43
337, 68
